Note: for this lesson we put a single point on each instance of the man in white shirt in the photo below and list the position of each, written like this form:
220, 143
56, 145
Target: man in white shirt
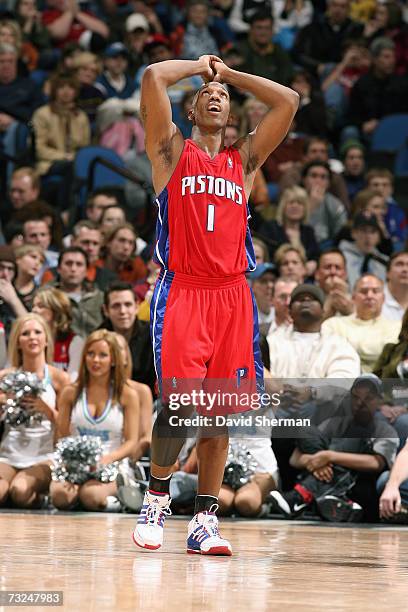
396, 289
366, 330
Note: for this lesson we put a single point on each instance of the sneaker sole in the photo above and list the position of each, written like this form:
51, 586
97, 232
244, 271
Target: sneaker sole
216, 551
145, 546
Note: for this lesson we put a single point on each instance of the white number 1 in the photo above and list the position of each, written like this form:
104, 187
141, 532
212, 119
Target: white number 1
210, 217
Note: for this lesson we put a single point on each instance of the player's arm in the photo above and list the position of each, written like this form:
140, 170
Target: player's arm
164, 141
282, 102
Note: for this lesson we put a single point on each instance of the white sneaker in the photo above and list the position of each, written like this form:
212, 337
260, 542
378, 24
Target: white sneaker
148, 532
204, 538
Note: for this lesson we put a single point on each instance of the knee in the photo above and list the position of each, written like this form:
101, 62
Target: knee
21, 494
91, 500
4, 491
61, 498
245, 506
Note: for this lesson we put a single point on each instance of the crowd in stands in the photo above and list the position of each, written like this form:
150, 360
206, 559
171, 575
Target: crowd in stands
328, 220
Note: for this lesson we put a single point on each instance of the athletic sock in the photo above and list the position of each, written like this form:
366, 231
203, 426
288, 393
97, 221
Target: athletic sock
204, 503
160, 485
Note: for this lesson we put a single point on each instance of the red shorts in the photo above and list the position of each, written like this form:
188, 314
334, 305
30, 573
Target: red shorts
205, 334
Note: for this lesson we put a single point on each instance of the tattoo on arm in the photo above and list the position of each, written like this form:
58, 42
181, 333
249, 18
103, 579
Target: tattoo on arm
143, 113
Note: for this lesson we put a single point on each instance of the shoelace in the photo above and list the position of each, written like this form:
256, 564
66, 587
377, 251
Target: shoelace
154, 512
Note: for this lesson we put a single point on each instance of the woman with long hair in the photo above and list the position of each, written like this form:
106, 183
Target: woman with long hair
291, 226
55, 308
145, 401
100, 403
26, 451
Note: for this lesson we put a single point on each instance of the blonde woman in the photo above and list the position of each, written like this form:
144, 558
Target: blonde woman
55, 308
291, 226
10, 33
101, 403
291, 263
26, 451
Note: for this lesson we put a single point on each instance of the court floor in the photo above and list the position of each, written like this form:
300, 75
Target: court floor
277, 565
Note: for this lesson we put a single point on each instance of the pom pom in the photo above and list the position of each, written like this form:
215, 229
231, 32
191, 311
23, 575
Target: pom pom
77, 459
240, 466
20, 384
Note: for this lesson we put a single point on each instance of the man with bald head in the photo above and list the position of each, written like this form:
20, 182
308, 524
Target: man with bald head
366, 329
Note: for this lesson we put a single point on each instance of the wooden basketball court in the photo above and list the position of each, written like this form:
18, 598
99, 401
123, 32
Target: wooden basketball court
277, 565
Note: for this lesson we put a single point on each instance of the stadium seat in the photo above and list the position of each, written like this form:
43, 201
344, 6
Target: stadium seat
391, 133
401, 161
90, 173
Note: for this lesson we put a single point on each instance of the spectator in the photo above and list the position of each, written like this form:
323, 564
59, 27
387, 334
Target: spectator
388, 21
331, 277
88, 236
353, 156
342, 455
115, 82
380, 92
55, 308
22, 448
327, 213
24, 188
393, 504
29, 259
262, 280
370, 203
61, 128
98, 200
316, 148
137, 32
120, 246
195, 36
305, 349
381, 180
291, 263
280, 302
391, 367
291, 226
111, 217
263, 57
321, 42
362, 255
67, 23
310, 119
338, 80
261, 251
37, 232
29, 18
19, 96
10, 33
85, 299
41, 211
120, 310
365, 329
396, 289
11, 306
86, 67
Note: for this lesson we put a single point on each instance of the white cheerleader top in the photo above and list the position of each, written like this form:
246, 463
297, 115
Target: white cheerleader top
108, 425
23, 446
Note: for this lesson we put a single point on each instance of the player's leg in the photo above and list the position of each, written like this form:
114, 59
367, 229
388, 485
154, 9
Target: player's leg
29, 486
177, 363
7, 473
64, 495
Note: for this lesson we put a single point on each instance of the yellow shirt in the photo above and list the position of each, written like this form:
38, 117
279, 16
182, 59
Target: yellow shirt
367, 337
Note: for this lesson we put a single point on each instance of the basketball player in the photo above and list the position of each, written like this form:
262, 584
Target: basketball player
203, 320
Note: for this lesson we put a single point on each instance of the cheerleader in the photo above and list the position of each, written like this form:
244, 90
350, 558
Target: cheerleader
145, 402
26, 451
100, 403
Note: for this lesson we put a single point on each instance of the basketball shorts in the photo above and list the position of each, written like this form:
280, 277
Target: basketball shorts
205, 336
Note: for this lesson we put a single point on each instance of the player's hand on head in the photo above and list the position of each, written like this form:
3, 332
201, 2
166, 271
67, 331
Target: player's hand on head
207, 71
220, 70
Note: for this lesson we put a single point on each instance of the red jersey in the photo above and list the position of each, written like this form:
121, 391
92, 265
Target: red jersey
202, 227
